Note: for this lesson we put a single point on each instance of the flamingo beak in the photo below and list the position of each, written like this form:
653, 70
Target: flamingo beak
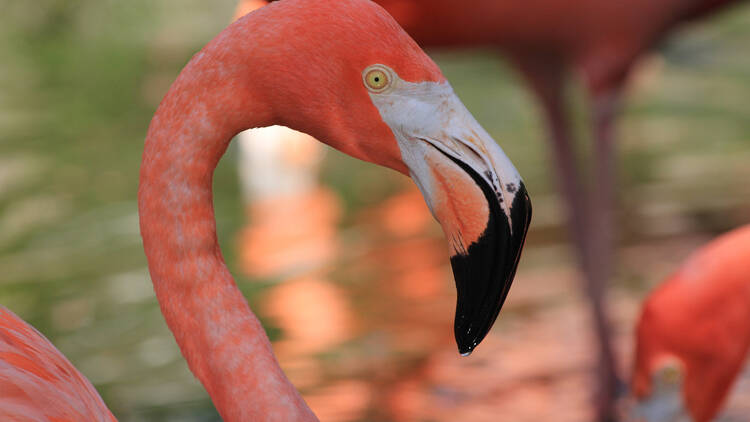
665, 400
471, 188
485, 211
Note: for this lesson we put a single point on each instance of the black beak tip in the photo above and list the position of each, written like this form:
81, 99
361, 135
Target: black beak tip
485, 272
466, 345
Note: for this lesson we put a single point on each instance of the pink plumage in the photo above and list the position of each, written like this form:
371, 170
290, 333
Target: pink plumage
37, 383
699, 320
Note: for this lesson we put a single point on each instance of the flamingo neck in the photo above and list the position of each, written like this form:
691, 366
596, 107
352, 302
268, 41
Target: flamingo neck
219, 336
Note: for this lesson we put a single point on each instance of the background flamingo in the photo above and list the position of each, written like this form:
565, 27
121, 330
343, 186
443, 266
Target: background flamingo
693, 335
546, 41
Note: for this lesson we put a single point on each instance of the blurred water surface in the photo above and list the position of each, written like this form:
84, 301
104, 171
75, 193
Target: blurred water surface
367, 336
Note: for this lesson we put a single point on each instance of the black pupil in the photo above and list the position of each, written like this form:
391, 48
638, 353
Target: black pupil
377, 79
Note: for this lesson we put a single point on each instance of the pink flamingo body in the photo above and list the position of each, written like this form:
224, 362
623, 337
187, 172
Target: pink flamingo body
37, 383
347, 74
694, 331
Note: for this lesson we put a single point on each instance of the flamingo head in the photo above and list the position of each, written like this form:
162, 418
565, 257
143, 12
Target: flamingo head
347, 74
469, 184
661, 398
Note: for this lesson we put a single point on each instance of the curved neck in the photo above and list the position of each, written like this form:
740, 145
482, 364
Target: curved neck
222, 341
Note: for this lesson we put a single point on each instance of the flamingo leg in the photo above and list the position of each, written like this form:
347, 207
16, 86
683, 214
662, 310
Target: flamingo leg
588, 215
600, 244
604, 171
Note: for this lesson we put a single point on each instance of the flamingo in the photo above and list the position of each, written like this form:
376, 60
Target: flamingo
546, 40
346, 73
38, 383
693, 336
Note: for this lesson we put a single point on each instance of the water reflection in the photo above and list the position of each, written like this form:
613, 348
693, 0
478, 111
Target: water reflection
366, 332
322, 316
292, 218
289, 234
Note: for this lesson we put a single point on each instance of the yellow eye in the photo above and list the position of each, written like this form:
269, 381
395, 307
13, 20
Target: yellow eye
377, 78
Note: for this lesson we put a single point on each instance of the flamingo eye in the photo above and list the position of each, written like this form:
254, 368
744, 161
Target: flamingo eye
377, 78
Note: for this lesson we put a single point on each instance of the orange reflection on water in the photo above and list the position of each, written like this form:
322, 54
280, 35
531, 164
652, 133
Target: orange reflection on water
313, 313
366, 331
405, 214
247, 6
369, 336
413, 297
342, 401
289, 234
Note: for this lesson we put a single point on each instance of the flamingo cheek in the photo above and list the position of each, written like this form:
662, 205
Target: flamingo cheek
463, 216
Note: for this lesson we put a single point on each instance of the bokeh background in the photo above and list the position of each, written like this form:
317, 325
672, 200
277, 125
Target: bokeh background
367, 334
